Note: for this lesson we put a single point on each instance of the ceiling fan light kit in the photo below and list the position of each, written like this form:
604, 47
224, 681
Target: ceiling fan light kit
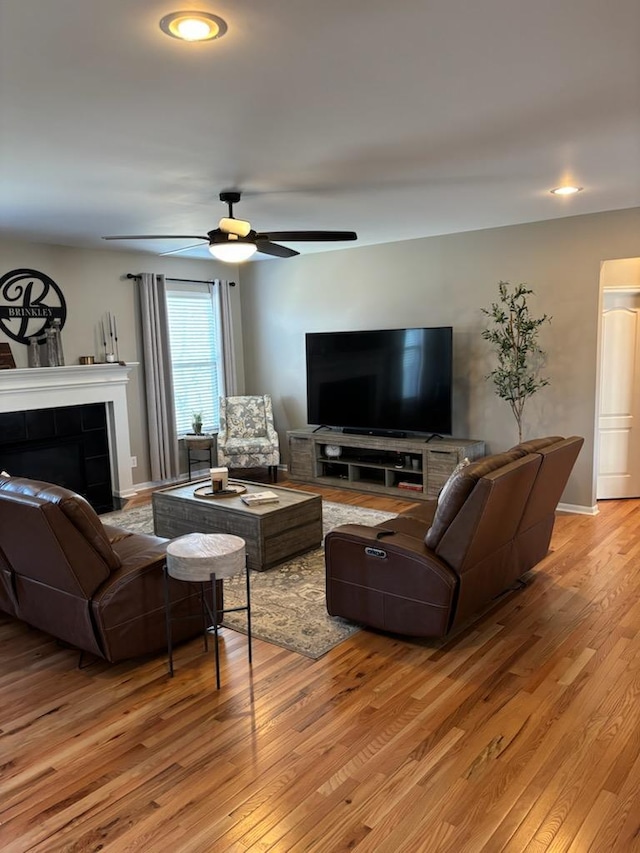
193, 26
232, 251
234, 240
234, 226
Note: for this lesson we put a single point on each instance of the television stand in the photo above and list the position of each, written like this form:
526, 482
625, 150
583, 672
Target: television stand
408, 468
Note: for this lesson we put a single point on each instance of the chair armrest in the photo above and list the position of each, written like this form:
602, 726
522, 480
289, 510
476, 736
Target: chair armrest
272, 434
129, 608
391, 562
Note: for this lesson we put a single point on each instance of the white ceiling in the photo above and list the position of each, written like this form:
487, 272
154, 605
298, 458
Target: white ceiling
397, 120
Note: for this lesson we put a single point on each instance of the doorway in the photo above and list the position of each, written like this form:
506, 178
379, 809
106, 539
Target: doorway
619, 411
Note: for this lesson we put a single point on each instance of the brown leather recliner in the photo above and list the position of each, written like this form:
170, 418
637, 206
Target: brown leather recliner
96, 587
432, 567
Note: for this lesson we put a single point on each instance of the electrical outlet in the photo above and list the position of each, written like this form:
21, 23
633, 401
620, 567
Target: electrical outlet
134, 461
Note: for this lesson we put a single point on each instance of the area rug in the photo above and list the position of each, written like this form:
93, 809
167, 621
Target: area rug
287, 601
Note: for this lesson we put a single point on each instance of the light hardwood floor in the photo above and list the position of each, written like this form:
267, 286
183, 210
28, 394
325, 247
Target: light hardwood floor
522, 733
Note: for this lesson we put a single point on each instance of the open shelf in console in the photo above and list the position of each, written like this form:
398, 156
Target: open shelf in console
367, 474
333, 468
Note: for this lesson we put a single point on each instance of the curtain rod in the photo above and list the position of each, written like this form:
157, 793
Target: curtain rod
188, 280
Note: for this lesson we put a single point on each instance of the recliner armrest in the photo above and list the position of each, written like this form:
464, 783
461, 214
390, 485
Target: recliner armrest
396, 546
388, 580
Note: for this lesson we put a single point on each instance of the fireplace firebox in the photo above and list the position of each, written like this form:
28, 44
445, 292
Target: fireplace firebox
68, 446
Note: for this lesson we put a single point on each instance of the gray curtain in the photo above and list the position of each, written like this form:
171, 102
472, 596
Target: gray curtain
163, 440
228, 350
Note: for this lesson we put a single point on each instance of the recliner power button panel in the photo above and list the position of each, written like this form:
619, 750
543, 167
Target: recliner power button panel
376, 552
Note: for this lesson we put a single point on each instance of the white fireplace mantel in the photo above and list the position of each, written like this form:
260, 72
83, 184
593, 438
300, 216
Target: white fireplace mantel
23, 389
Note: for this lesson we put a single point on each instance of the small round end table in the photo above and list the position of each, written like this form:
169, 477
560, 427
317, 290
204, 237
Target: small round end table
201, 558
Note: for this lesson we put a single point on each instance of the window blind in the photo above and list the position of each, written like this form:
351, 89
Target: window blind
195, 356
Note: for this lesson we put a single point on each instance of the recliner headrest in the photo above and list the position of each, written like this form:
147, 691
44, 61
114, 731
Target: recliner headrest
459, 489
76, 508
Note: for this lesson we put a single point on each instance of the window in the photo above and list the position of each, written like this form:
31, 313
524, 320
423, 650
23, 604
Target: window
196, 354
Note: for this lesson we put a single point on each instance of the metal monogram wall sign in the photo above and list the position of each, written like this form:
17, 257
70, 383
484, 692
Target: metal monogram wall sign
29, 302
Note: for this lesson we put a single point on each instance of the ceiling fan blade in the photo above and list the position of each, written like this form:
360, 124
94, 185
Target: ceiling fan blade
268, 248
318, 236
185, 248
158, 237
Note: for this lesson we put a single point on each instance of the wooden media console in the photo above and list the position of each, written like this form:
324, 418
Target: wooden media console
414, 468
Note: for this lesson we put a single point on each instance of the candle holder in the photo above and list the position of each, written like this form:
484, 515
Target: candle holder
219, 479
109, 331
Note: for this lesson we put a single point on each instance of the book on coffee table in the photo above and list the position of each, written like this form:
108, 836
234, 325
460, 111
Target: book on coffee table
266, 497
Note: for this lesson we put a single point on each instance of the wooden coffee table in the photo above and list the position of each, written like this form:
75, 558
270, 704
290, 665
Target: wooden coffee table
273, 532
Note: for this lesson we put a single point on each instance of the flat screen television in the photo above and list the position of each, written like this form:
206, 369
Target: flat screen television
383, 381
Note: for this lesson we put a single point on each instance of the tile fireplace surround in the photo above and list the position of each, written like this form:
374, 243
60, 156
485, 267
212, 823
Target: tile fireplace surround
24, 389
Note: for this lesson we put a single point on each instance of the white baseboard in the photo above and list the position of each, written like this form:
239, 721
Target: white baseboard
578, 510
161, 484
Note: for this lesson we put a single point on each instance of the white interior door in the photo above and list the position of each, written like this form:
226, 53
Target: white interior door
619, 417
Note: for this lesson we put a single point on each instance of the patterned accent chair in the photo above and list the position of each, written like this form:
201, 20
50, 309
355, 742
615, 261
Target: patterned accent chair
247, 436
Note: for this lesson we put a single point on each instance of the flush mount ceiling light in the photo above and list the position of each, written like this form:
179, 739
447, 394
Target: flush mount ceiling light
231, 249
193, 26
568, 190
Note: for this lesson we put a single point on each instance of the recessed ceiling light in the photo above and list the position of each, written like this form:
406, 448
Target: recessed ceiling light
193, 26
566, 190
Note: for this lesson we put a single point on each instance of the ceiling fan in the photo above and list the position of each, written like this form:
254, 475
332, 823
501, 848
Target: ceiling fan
234, 240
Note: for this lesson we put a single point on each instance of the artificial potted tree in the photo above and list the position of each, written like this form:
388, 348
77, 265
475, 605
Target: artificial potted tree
513, 333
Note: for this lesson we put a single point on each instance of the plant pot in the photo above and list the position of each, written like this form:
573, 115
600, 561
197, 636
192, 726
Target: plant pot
197, 428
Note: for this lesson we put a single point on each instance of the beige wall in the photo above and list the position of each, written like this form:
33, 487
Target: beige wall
434, 281
446, 281
92, 282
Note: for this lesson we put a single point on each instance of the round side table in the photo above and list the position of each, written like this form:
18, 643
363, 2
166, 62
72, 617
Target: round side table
201, 558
